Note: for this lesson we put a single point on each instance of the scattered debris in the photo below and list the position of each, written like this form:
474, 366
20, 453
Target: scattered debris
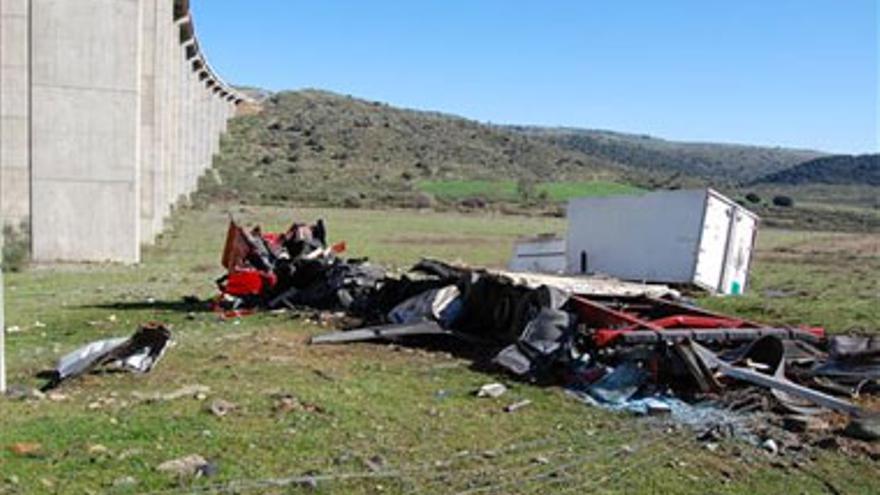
375, 463
516, 406
192, 465
138, 353
286, 403
382, 332
657, 407
493, 390
125, 481
198, 392
56, 396
220, 407
866, 428
805, 424
770, 446
98, 450
21, 392
27, 449
102, 402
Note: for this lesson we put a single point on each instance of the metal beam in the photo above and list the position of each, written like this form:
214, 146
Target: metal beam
781, 383
380, 333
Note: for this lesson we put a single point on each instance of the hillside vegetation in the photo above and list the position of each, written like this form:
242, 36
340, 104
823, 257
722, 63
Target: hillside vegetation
726, 163
321, 148
355, 152
508, 190
837, 170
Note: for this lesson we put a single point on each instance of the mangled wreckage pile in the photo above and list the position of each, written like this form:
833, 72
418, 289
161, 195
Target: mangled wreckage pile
615, 344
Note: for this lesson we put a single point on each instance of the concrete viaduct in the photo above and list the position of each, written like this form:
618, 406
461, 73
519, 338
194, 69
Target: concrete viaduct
109, 114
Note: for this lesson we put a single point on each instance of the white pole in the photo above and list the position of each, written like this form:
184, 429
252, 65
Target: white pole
2, 323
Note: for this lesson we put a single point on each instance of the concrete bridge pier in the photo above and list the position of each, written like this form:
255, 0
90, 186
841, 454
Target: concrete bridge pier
109, 114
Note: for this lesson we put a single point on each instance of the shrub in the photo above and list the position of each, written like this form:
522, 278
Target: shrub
525, 188
753, 198
423, 200
16, 247
474, 203
352, 200
783, 201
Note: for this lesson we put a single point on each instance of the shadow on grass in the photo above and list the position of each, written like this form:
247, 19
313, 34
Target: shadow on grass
185, 305
479, 355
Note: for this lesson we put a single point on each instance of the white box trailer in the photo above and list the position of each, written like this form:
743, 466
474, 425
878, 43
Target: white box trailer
696, 237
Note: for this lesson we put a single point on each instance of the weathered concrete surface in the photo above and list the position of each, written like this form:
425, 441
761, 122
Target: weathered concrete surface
14, 124
151, 74
109, 116
85, 130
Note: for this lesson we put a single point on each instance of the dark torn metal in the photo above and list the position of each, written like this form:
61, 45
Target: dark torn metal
138, 353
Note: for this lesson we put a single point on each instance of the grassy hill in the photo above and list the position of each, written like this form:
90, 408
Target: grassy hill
830, 193
321, 148
508, 190
837, 170
725, 163
349, 151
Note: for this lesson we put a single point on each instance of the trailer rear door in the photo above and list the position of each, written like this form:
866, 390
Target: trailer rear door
739, 253
713, 244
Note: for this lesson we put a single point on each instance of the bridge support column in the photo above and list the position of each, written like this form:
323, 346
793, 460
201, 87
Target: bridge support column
85, 130
14, 112
109, 114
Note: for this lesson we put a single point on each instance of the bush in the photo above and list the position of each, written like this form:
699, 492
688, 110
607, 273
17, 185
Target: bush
526, 190
753, 198
352, 200
16, 247
783, 201
423, 200
474, 203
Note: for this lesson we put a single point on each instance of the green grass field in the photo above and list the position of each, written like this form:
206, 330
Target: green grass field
506, 190
409, 411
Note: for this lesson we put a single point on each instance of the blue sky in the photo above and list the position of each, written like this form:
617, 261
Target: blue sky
800, 73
